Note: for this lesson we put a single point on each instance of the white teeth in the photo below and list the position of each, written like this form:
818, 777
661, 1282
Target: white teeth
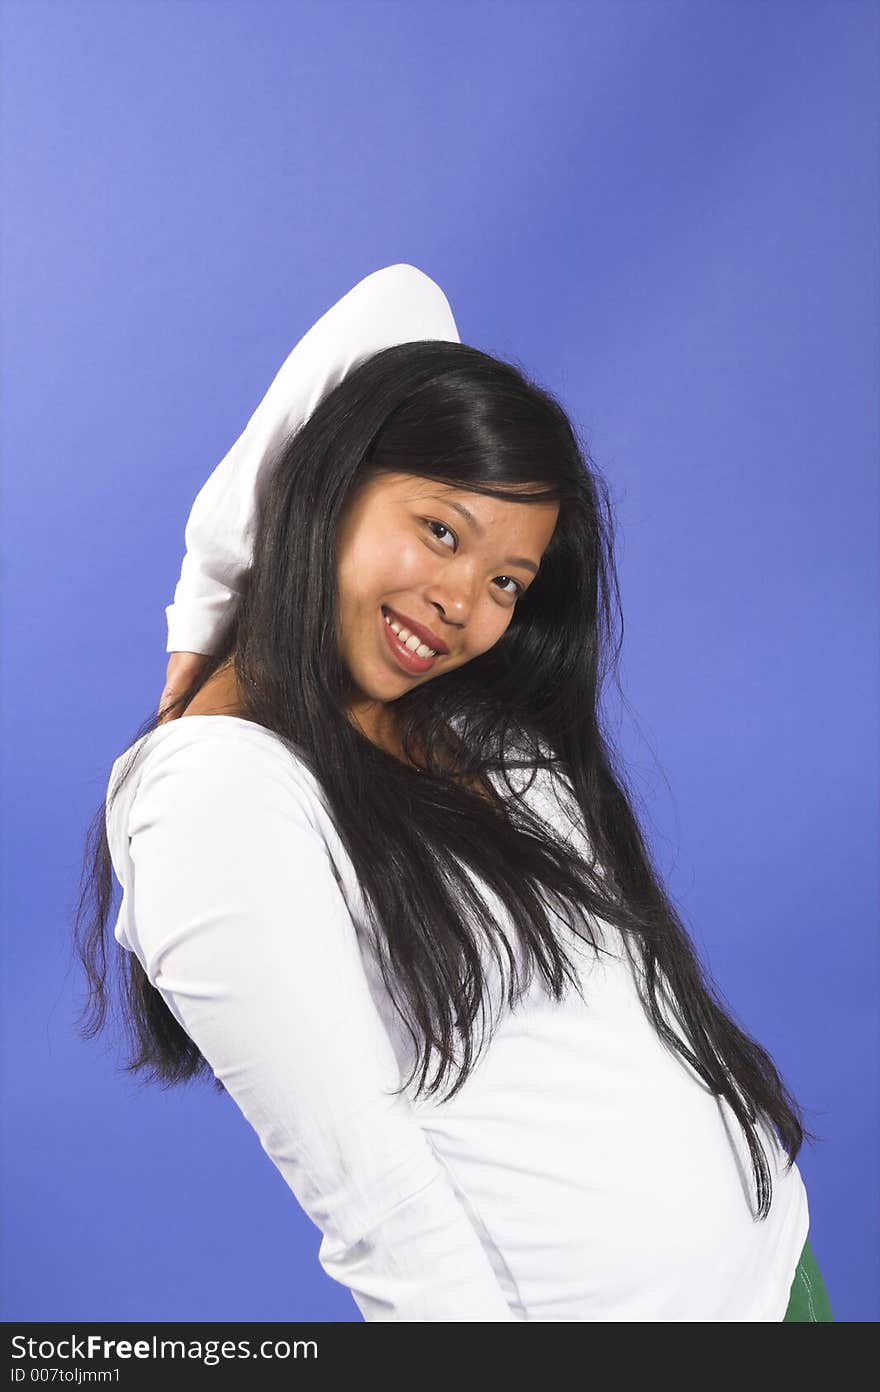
408, 639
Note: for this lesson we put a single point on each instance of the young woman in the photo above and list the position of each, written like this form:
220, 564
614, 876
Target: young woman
383, 880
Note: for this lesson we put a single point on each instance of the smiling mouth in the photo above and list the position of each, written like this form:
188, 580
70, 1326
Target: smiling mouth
409, 660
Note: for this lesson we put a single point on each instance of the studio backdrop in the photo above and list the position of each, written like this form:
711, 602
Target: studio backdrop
667, 214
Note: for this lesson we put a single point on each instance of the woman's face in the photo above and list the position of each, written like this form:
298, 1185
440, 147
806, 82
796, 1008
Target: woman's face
408, 552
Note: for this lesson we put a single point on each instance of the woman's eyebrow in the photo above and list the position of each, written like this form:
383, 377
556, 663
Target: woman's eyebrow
469, 517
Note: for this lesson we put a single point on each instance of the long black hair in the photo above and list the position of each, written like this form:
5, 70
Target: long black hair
451, 413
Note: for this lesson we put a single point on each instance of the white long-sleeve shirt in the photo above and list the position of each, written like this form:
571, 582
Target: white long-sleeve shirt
583, 1171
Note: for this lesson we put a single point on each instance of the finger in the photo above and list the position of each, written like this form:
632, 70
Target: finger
168, 695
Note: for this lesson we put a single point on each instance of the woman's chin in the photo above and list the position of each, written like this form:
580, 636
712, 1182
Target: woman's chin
381, 687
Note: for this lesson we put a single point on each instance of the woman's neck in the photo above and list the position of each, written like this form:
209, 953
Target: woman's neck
377, 720
220, 695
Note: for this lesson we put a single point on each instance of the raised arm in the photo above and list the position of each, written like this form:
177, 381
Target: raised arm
239, 922
398, 304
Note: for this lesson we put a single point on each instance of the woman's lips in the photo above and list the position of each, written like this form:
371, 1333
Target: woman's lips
412, 664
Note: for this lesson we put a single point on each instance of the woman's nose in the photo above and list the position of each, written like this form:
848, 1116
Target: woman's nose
453, 602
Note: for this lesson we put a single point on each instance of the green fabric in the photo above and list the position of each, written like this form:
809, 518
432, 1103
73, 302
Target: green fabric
808, 1302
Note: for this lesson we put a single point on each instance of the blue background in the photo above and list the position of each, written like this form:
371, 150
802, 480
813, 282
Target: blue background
668, 214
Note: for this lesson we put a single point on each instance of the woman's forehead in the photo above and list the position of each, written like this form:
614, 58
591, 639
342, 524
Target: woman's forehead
415, 486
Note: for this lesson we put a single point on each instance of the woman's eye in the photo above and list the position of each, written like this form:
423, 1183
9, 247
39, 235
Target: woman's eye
443, 527
432, 522
517, 591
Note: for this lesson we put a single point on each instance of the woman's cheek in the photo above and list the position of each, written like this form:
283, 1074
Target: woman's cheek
411, 563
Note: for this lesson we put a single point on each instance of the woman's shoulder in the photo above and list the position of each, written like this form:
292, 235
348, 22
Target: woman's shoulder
225, 755
214, 798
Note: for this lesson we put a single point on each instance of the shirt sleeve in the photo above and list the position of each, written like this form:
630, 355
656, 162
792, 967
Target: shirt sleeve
239, 922
397, 304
